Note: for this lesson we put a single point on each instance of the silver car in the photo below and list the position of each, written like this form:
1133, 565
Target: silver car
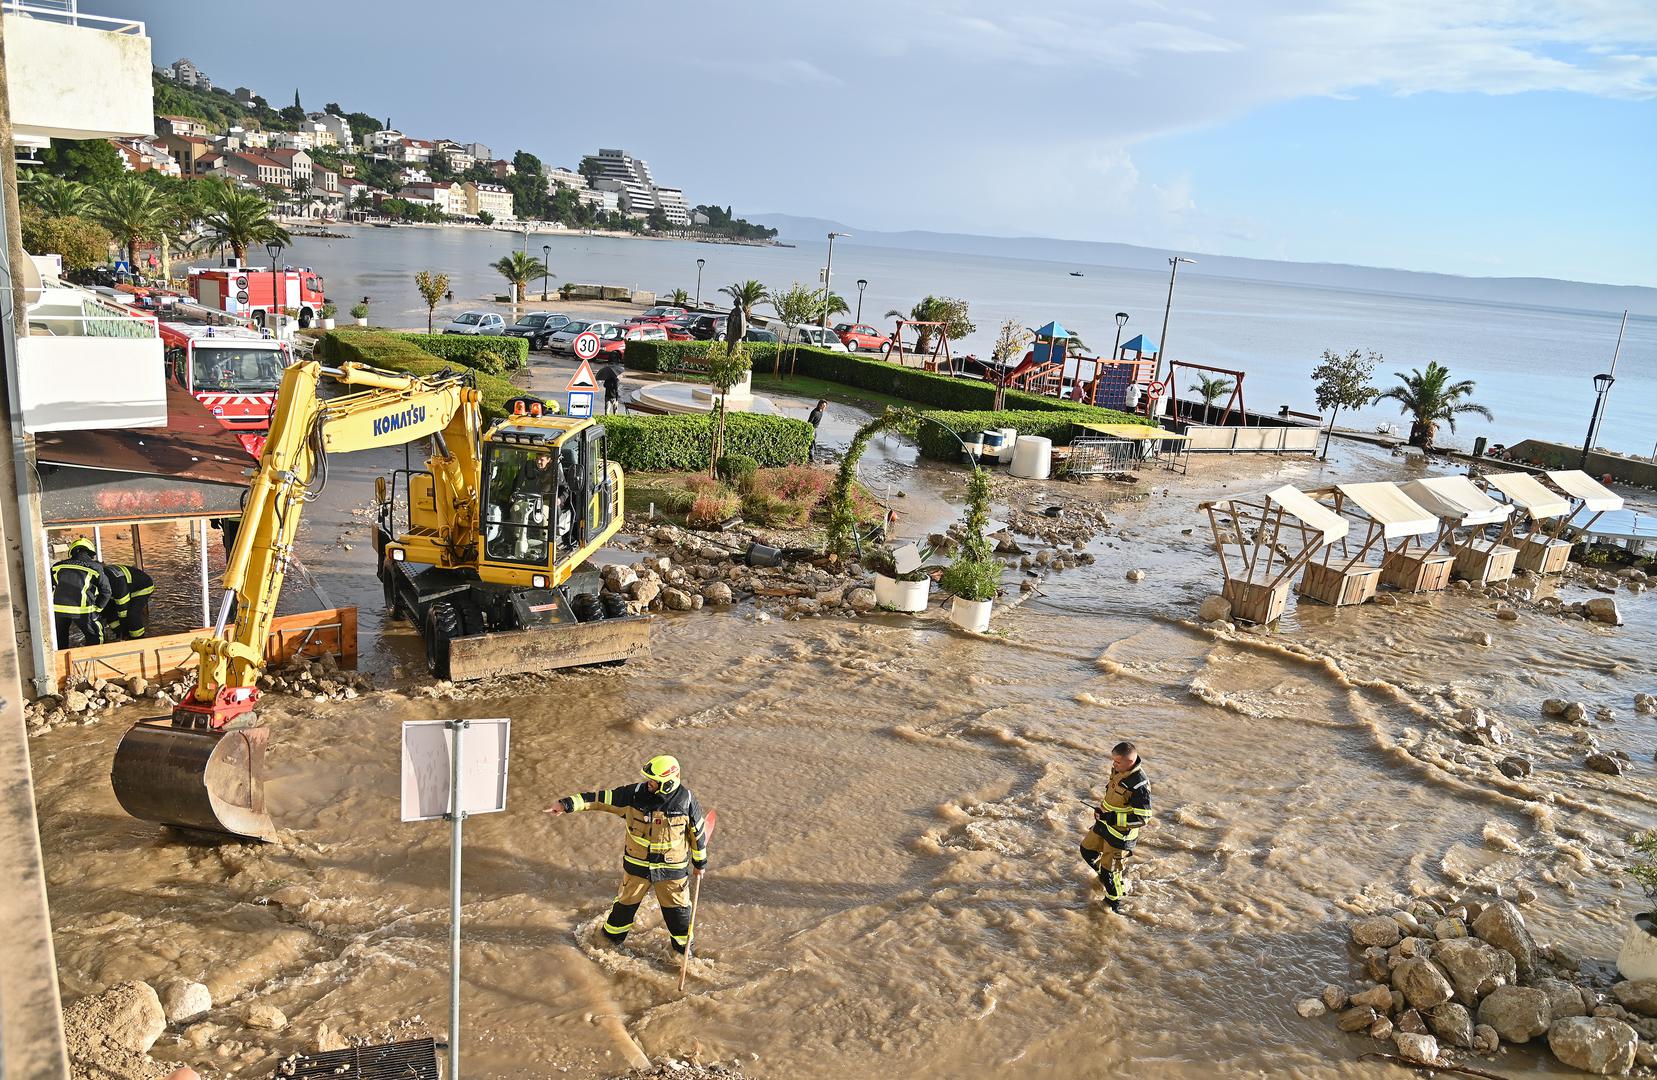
486, 323
562, 339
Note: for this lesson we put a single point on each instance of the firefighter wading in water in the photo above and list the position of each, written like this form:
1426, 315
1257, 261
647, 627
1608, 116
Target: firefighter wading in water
1124, 810
666, 843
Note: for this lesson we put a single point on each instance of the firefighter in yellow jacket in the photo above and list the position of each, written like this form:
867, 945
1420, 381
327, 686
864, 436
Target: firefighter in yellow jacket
666, 843
1124, 810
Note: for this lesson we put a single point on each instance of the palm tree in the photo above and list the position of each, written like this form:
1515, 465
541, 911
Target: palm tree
132, 210
836, 305
679, 298
1431, 398
518, 268
238, 219
1210, 390
57, 196
746, 295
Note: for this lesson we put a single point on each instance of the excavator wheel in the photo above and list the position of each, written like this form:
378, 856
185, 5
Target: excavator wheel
393, 603
586, 607
614, 604
442, 626
211, 781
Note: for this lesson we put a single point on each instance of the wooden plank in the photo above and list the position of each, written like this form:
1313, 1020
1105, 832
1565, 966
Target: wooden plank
512, 652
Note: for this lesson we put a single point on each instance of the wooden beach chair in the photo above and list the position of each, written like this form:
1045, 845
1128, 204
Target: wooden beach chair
1390, 521
1544, 513
1274, 534
1464, 514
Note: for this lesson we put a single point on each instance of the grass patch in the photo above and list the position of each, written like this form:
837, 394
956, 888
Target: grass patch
806, 386
792, 497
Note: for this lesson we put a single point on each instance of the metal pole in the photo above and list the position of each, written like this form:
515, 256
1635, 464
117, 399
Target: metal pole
456, 817
699, 263
206, 598
1593, 422
828, 278
98, 542
546, 268
1162, 345
861, 285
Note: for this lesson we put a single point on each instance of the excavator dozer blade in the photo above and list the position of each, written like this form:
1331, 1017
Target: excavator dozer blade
602, 641
212, 781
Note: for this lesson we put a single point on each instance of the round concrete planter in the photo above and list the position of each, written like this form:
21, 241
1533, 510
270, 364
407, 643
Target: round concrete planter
971, 615
898, 595
1638, 957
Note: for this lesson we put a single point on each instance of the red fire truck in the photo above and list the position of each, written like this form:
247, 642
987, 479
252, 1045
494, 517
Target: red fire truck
247, 291
233, 371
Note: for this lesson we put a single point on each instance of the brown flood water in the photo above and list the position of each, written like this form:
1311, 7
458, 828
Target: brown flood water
894, 887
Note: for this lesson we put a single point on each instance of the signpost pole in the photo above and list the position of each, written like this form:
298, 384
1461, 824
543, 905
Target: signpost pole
456, 817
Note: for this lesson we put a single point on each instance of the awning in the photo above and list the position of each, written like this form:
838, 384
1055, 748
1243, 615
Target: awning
1135, 432
1302, 507
1457, 499
1593, 495
1140, 344
1396, 513
1527, 493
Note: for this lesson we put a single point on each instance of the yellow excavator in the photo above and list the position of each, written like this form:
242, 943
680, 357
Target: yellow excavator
478, 548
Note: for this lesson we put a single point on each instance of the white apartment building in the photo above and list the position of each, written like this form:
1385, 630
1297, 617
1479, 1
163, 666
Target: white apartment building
568, 177
449, 198
292, 140
413, 152
671, 201
479, 151
185, 73
383, 141
491, 199
338, 127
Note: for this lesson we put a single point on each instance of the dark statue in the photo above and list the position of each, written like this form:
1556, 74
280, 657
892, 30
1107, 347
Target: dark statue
736, 326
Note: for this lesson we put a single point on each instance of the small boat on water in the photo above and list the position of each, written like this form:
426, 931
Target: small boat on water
1077, 273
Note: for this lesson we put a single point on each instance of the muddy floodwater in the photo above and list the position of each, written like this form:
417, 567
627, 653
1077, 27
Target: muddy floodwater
894, 887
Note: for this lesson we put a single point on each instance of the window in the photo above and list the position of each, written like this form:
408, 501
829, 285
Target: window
522, 500
226, 369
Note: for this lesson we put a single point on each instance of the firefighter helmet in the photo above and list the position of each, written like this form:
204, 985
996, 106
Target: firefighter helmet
82, 542
664, 769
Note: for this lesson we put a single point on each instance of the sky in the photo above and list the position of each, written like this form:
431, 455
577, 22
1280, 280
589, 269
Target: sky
1498, 138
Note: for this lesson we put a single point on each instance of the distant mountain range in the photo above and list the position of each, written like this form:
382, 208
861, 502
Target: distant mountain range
1530, 292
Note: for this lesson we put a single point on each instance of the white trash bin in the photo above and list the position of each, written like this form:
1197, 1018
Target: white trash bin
1032, 457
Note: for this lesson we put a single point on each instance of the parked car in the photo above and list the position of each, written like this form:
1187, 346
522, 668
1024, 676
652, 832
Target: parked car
704, 328
562, 338
815, 336
537, 326
661, 313
757, 334
486, 323
679, 329
861, 337
612, 344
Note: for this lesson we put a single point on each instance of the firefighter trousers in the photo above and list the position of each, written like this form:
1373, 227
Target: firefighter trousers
1109, 859
673, 897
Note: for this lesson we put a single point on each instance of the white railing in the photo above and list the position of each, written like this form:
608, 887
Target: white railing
68, 12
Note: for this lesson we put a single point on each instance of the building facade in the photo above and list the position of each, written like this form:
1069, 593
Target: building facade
491, 199
185, 73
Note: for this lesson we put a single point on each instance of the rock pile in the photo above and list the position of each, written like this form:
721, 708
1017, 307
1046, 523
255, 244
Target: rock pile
320, 680
1446, 980
673, 1069
109, 1035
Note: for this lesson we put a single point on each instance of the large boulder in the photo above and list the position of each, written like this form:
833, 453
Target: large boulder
1638, 995
1378, 931
1518, 1013
1357, 1018
1475, 968
1563, 997
183, 1000
1420, 1049
1214, 608
1596, 1044
1452, 1023
1603, 609
1422, 983
717, 593
127, 1016
1501, 925
1378, 998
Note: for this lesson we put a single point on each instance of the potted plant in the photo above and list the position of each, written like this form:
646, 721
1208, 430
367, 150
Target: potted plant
328, 311
900, 590
974, 577
1638, 957
359, 312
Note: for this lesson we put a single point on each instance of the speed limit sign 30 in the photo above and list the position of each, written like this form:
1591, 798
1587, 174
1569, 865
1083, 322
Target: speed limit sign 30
585, 345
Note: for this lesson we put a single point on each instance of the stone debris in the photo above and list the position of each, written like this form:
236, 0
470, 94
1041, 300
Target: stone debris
265, 1018
1609, 764
1594, 1044
183, 1000
108, 1035
672, 1069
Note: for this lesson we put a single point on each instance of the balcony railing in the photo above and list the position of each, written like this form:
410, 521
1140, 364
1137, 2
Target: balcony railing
68, 12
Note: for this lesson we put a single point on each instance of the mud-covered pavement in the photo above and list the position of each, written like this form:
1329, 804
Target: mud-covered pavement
894, 889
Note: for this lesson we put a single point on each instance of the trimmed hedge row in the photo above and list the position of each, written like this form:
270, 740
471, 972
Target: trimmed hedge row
680, 443
394, 353
935, 442
496, 355
672, 357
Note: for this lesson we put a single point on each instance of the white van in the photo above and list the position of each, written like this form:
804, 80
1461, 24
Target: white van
815, 336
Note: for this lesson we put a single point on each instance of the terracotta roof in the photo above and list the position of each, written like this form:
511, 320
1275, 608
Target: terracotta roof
255, 159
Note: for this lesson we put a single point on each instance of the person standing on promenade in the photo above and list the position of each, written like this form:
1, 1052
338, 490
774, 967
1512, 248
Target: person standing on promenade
1124, 810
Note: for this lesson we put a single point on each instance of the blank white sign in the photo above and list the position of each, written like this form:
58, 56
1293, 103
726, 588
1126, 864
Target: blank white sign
906, 559
427, 767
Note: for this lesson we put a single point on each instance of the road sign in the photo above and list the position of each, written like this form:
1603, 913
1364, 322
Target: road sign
583, 377
581, 403
427, 768
586, 347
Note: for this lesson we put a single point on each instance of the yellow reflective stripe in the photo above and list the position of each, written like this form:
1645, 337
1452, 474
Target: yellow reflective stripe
681, 938
610, 929
1113, 808
135, 633
635, 862
143, 592
605, 798
577, 803
699, 854
642, 841
74, 609
1126, 836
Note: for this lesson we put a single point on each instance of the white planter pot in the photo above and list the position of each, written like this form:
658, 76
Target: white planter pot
362, 322
1638, 957
902, 595
327, 324
971, 615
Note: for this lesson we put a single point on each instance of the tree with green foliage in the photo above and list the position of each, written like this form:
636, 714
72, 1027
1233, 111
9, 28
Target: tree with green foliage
976, 573
1012, 340
87, 161
1430, 398
727, 363
485, 217
1341, 381
519, 268
746, 295
132, 210
54, 195
795, 306
842, 518
656, 220
237, 219
82, 244
1210, 389
432, 287
952, 313
678, 298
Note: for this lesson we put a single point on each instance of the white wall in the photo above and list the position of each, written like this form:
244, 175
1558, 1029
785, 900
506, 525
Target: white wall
76, 383
47, 68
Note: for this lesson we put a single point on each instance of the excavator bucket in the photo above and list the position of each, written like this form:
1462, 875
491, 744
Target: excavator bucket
211, 781
562, 645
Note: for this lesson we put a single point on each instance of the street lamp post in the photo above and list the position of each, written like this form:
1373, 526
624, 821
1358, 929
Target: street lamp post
546, 269
862, 283
274, 250
828, 279
1162, 346
1121, 321
1602, 385
699, 264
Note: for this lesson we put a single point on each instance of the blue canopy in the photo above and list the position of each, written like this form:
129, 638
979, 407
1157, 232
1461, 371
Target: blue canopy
1053, 330
1140, 344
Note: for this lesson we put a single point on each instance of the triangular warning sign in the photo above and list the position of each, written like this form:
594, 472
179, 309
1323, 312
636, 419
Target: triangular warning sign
583, 378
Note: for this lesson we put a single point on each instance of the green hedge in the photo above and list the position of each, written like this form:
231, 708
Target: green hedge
936, 442
395, 353
680, 443
672, 357
496, 355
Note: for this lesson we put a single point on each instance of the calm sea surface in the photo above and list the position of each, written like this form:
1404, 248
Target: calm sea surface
1533, 366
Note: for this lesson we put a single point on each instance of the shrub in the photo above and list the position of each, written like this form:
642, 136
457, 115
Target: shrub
935, 439
680, 443
786, 497
674, 357
359, 311
971, 579
712, 503
737, 470
389, 351
495, 355
975, 574
329, 309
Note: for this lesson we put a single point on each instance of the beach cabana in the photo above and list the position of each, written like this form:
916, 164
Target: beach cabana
1350, 571
1587, 495
1464, 513
1540, 549
1268, 537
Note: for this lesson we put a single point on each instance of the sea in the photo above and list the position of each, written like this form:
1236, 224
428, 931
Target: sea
1533, 367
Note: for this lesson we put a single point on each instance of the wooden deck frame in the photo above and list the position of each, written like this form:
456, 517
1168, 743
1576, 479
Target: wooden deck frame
1351, 579
1257, 595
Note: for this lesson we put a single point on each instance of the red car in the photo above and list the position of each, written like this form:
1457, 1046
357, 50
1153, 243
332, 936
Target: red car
861, 337
613, 344
656, 316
